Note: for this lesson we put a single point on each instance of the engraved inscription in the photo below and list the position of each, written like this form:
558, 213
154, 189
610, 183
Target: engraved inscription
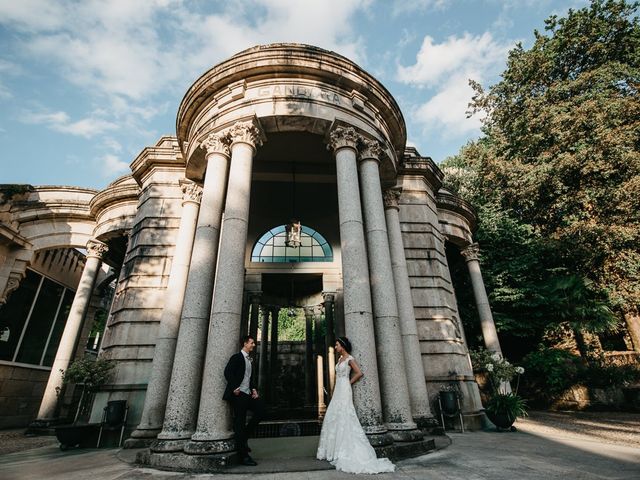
298, 92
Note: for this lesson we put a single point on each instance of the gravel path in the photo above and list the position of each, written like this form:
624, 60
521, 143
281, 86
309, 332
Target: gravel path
14, 440
618, 428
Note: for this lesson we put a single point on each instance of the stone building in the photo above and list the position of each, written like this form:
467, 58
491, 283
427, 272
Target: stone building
288, 184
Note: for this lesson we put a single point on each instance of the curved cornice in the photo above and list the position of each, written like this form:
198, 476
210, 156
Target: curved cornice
124, 189
296, 60
446, 200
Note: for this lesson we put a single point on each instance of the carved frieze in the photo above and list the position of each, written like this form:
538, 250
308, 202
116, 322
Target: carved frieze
391, 196
342, 137
96, 249
216, 143
191, 191
471, 252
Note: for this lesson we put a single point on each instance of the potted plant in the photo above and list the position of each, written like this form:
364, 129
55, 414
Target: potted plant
90, 374
503, 405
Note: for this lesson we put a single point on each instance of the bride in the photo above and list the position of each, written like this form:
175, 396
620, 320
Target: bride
342, 440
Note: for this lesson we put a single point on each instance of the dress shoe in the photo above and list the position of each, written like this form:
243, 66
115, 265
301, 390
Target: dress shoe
248, 461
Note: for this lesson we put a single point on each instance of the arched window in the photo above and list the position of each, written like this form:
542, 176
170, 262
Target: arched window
270, 247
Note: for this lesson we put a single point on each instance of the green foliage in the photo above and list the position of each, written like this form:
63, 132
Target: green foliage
600, 374
556, 178
90, 373
507, 404
291, 327
561, 148
551, 371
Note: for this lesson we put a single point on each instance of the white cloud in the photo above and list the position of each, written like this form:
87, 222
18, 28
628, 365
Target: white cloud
435, 60
408, 6
446, 110
61, 122
445, 69
112, 165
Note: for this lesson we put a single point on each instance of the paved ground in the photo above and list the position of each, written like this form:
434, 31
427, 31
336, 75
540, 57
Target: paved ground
546, 446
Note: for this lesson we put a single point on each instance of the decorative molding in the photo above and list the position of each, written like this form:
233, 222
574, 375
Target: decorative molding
471, 252
216, 143
390, 197
13, 282
370, 149
329, 297
191, 191
245, 132
96, 249
343, 137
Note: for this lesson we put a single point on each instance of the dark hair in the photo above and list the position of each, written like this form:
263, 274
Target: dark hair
346, 344
246, 338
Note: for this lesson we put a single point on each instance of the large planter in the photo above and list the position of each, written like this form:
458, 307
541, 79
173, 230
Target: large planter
83, 436
501, 420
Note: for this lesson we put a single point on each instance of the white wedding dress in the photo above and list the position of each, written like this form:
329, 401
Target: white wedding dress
342, 440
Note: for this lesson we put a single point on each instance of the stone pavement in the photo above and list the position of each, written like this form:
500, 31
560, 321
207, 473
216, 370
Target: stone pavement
542, 448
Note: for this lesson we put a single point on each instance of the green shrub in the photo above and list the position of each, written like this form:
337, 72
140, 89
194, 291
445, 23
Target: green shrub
551, 371
599, 375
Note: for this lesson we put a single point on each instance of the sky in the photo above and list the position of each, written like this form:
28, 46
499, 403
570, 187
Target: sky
86, 85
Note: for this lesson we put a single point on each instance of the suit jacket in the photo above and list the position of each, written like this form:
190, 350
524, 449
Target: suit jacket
234, 374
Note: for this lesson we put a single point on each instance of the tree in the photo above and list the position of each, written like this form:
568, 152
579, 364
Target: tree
556, 177
563, 130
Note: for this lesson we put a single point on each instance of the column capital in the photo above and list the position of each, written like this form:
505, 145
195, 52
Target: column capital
247, 132
391, 196
96, 249
471, 252
343, 137
191, 191
329, 296
369, 149
216, 143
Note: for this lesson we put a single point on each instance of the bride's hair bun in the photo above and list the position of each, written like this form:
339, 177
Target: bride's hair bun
346, 344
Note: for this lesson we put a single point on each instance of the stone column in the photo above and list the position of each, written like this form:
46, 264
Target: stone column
244, 316
418, 395
264, 340
255, 315
184, 390
155, 400
329, 301
308, 356
339, 314
396, 405
64, 355
214, 433
319, 351
489, 334
358, 315
273, 361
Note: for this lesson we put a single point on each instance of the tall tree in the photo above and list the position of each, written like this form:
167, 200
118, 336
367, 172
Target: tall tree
560, 160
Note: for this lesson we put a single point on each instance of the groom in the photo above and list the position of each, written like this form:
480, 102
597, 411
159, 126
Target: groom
242, 395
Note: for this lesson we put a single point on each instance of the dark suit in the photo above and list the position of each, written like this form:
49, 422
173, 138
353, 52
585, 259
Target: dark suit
234, 374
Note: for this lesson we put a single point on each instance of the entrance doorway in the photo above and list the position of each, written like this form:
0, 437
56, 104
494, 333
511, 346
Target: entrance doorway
295, 362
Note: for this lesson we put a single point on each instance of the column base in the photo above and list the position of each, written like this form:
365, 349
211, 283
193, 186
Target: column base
413, 435
210, 447
168, 445
190, 463
426, 422
142, 438
399, 451
380, 439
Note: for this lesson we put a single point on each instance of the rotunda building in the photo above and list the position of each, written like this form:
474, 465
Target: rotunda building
288, 192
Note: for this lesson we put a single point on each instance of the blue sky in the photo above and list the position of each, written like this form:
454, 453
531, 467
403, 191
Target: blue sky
85, 85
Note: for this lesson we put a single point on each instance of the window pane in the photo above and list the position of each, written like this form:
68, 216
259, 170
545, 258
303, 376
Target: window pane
56, 335
14, 313
318, 252
305, 251
305, 241
279, 241
278, 251
267, 250
40, 323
